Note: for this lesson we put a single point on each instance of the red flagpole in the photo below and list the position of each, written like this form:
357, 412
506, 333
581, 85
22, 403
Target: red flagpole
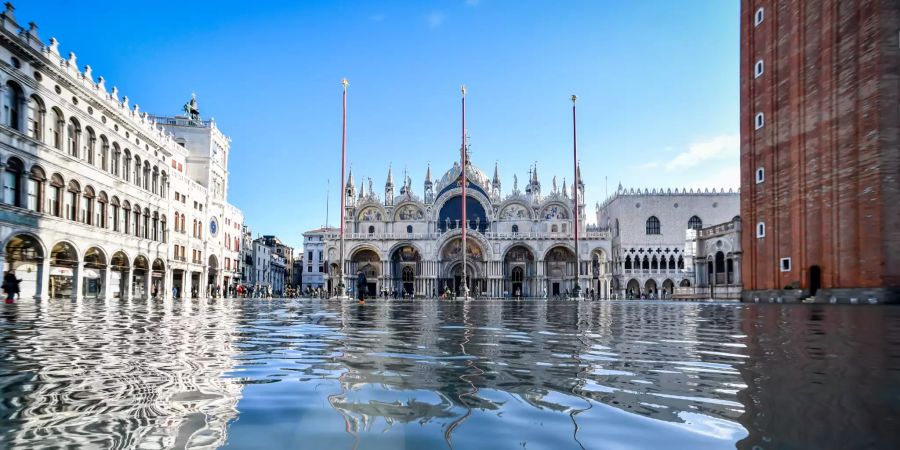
465, 285
343, 184
575, 209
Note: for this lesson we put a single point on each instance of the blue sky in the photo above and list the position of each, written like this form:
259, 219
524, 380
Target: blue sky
657, 83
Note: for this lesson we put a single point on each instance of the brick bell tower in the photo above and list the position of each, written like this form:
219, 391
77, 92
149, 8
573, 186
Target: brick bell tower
820, 154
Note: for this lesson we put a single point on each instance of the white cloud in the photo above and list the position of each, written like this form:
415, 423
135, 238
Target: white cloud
725, 177
718, 147
435, 19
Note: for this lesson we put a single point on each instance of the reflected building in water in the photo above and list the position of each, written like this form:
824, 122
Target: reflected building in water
144, 374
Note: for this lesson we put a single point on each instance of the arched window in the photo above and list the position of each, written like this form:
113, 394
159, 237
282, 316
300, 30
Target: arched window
114, 167
554, 229
12, 106
654, 263
409, 229
628, 262
164, 184
137, 170
695, 223
57, 123
645, 263
55, 197
90, 146
154, 186
653, 225
36, 114
680, 263
155, 229
515, 228
758, 69
126, 217
34, 189
759, 121
760, 230
163, 229
72, 195
136, 220
114, 213
86, 215
371, 229
146, 175
12, 179
100, 219
73, 137
104, 153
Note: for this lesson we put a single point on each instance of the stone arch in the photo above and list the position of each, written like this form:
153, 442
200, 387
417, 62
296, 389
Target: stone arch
471, 194
408, 211
519, 269
95, 266
651, 288
633, 289
567, 246
25, 253
510, 210
157, 277
471, 235
370, 212
555, 210
64, 260
668, 288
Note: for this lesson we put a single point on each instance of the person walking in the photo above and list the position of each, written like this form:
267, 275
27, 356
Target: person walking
10, 286
361, 286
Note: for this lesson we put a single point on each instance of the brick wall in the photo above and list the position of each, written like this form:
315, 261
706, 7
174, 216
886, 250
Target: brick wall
829, 146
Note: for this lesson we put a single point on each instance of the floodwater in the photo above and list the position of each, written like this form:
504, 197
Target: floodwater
318, 374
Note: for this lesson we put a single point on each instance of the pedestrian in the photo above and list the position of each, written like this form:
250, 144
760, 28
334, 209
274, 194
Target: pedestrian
10, 286
361, 286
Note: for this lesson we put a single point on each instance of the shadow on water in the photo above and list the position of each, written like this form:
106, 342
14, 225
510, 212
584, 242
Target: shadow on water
261, 373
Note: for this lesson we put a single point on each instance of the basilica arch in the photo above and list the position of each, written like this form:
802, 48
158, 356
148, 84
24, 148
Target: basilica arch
519, 271
404, 270
559, 269
366, 259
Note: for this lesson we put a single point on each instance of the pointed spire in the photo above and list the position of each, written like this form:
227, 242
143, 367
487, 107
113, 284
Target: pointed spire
350, 177
534, 175
565, 190
496, 172
579, 181
390, 176
428, 174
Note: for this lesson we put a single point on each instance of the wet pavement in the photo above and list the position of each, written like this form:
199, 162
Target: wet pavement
310, 373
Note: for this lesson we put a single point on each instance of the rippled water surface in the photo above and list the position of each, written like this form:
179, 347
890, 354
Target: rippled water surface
314, 374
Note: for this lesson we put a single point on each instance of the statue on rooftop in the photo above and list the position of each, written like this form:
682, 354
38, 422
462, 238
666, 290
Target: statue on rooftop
191, 110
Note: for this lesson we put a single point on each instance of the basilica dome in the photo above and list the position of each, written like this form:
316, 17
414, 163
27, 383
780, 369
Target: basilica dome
473, 174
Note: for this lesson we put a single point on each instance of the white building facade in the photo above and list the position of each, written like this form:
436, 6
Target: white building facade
518, 244
650, 258
98, 194
314, 263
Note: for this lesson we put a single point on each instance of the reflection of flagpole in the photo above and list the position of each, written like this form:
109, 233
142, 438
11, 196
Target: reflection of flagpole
340, 271
465, 284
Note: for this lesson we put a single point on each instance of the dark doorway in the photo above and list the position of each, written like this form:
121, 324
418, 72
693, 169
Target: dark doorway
815, 279
555, 289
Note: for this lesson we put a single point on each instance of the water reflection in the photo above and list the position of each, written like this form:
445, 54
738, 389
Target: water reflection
116, 374
430, 374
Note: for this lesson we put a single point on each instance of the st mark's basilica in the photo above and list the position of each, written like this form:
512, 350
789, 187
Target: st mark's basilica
520, 244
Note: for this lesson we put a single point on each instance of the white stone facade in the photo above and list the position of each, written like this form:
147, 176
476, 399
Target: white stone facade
648, 236
314, 258
519, 244
97, 194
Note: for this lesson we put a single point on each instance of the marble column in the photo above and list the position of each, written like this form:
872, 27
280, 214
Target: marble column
78, 281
